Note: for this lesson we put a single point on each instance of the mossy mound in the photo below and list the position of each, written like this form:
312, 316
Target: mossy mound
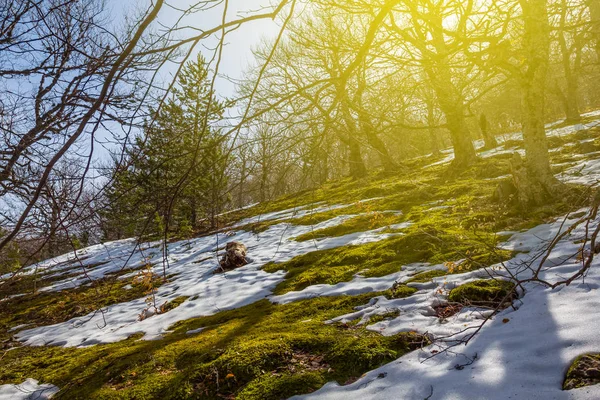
584, 371
259, 351
484, 293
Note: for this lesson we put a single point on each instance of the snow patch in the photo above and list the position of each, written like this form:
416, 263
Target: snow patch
29, 389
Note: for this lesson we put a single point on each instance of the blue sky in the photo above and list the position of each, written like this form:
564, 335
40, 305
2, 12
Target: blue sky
237, 53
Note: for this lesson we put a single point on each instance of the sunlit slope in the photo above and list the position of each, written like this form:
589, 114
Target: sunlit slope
393, 245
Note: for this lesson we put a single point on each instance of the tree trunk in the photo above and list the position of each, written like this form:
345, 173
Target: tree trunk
573, 113
356, 164
377, 144
433, 137
449, 97
570, 104
452, 105
533, 82
464, 152
570, 100
366, 126
488, 137
53, 238
243, 178
355, 161
594, 7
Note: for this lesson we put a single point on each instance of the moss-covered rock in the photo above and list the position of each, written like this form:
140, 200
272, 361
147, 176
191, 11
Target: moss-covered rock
584, 371
484, 293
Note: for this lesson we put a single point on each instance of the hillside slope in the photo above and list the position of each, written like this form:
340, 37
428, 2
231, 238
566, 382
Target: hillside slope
353, 277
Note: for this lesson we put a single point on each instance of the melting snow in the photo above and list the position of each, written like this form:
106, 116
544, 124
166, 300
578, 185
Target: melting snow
190, 265
30, 389
522, 353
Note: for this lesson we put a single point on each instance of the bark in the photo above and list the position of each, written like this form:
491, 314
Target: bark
569, 103
234, 257
540, 179
433, 137
356, 164
464, 152
594, 7
194, 213
570, 99
488, 137
452, 105
367, 128
450, 98
355, 161
264, 178
53, 250
377, 144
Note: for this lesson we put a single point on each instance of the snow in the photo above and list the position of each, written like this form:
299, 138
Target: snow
296, 212
190, 265
357, 285
29, 389
522, 353
586, 172
550, 131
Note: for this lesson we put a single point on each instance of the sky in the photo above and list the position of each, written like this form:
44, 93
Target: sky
237, 54
236, 57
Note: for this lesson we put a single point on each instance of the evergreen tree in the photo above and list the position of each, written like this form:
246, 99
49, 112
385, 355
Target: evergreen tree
177, 171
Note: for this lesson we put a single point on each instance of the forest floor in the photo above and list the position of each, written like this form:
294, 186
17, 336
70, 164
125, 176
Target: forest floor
352, 291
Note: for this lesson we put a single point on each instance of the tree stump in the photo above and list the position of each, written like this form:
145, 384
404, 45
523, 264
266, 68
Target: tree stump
234, 257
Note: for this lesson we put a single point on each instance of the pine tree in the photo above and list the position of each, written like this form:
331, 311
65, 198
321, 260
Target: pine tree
177, 170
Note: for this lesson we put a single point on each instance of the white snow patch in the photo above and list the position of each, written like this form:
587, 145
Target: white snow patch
191, 265
585, 172
521, 353
28, 390
354, 287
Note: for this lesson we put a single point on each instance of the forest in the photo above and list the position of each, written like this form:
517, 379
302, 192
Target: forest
376, 181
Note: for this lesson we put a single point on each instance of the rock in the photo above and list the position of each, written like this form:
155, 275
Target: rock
234, 257
593, 373
584, 371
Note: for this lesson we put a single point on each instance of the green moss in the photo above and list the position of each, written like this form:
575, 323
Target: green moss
435, 245
254, 352
360, 223
282, 385
385, 316
584, 371
426, 276
45, 308
399, 291
486, 292
176, 302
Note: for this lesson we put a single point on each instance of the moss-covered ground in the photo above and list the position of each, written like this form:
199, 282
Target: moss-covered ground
44, 308
489, 293
260, 351
267, 351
